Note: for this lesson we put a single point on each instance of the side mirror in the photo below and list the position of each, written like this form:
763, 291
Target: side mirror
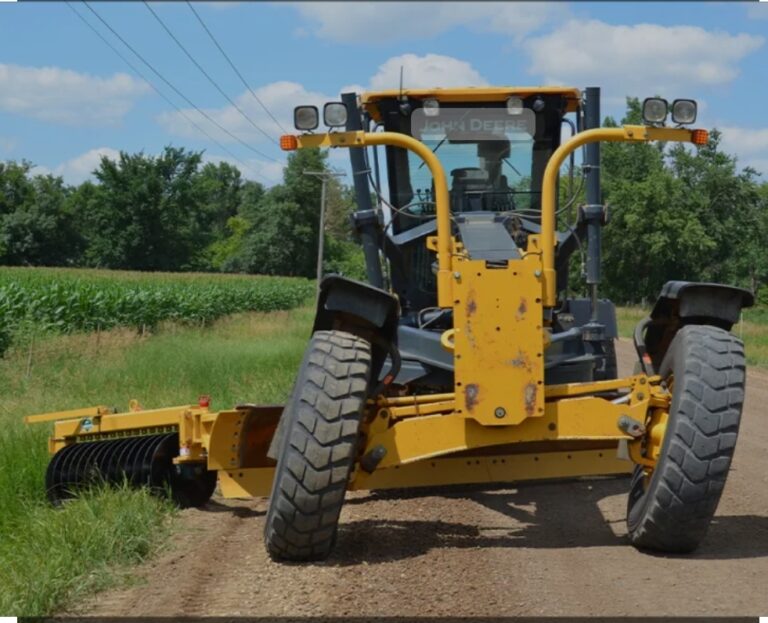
335, 114
306, 118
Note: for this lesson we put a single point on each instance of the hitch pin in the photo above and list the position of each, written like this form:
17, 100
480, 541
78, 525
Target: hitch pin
631, 426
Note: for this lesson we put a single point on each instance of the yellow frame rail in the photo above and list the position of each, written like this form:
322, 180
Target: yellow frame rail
627, 133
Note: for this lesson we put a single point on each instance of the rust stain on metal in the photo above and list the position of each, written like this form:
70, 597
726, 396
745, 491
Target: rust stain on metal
521, 361
471, 311
522, 309
530, 398
471, 394
471, 305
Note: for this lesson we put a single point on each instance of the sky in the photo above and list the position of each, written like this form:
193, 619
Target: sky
66, 98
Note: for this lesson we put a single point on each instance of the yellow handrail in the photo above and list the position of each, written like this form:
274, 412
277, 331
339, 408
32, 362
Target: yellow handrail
442, 201
628, 133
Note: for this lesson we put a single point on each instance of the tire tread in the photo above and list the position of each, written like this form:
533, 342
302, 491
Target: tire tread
314, 465
692, 472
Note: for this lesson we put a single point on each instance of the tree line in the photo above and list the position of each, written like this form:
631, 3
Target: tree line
172, 212
675, 213
678, 212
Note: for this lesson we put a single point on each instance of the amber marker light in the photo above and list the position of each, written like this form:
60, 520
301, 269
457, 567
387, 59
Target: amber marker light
699, 137
288, 142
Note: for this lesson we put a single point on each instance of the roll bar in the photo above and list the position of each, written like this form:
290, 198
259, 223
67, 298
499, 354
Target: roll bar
628, 133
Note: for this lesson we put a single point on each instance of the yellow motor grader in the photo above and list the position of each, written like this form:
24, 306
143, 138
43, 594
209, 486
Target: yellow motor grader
462, 359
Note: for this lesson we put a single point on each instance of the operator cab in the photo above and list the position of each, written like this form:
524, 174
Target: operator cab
494, 145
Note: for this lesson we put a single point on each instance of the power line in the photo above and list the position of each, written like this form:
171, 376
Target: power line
163, 95
232, 65
205, 73
174, 89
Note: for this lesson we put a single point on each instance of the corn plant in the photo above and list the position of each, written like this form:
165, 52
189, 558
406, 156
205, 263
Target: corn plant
69, 300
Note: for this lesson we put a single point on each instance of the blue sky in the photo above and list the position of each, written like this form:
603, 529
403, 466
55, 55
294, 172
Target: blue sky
66, 98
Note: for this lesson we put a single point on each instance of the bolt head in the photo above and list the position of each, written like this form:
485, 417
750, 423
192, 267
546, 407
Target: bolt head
537, 273
500, 412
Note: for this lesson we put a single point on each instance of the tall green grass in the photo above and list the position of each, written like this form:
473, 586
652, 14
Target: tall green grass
49, 557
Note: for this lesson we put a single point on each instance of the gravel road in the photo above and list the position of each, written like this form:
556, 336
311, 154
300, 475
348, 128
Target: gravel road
548, 549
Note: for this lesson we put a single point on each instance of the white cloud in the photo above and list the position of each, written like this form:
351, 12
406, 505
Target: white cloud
430, 70
376, 22
749, 144
264, 172
640, 59
279, 97
65, 96
79, 168
745, 141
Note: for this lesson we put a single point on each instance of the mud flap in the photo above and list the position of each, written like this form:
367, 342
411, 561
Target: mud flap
684, 303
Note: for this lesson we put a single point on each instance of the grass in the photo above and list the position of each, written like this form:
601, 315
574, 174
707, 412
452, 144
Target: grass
48, 558
753, 329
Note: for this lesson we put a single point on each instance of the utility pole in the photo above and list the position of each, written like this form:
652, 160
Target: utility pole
324, 176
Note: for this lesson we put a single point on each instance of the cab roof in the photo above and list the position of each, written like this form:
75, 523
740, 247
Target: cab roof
472, 95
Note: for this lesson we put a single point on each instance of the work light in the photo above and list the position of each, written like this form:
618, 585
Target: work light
306, 118
431, 107
335, 114
655, 110
684, 111
514, 106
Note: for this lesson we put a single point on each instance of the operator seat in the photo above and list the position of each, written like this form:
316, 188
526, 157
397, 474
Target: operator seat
468, 185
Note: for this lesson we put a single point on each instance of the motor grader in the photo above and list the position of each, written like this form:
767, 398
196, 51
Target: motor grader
463, 359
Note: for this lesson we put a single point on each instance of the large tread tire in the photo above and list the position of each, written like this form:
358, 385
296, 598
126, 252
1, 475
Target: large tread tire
672, 511
318, 447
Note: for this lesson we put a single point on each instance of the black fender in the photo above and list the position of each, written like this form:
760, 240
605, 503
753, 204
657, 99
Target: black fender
364, 310
682, 303
354, 306
360, 308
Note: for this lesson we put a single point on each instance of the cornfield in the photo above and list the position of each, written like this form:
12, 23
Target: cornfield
70, 300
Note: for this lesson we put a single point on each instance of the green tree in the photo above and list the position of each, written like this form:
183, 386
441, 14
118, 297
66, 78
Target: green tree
224, 251
251, 193
343, 253
677, 213
280, 241
36, 221
282, 238
146, 213
218, 186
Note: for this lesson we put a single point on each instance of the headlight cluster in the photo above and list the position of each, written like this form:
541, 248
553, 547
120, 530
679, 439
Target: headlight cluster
307, 118
656, 109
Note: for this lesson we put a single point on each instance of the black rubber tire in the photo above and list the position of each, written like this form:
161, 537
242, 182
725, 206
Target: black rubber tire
318, 447
672, 511
193, 492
